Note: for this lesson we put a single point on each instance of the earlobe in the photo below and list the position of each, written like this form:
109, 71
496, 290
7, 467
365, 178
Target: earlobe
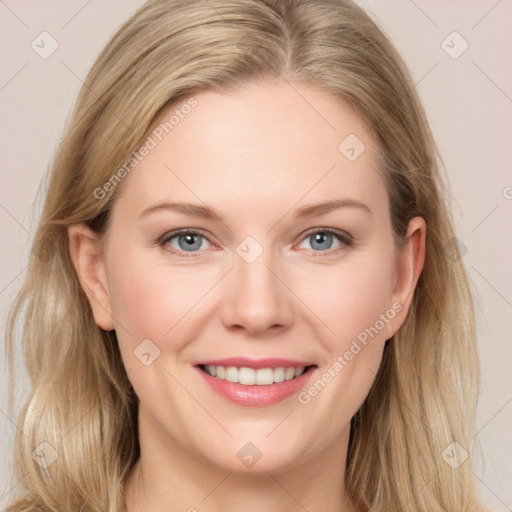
410, 262
85, 248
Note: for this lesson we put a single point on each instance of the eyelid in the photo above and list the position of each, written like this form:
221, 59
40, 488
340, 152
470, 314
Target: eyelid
171, 234
344, 237
166, 237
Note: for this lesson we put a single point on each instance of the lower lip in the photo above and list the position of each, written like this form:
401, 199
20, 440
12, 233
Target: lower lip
256, 396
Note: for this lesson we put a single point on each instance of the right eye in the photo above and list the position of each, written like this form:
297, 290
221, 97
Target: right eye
183, 241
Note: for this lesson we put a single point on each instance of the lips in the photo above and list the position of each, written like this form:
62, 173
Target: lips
255, 382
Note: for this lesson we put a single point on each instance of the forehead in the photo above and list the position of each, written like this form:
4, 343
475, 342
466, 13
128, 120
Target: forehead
266, 143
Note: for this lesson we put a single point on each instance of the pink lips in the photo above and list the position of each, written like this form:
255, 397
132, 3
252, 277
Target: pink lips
256, 396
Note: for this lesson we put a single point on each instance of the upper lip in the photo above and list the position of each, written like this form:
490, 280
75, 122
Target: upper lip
245, 362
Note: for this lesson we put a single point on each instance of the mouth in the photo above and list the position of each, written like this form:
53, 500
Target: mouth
255, 383
247, 376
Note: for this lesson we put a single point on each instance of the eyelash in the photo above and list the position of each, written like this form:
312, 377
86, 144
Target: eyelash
346, 239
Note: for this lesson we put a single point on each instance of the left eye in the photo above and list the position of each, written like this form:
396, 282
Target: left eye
187, 241
322, 240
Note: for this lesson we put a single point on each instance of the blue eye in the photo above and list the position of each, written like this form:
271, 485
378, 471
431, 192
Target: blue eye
323, 239
185, 241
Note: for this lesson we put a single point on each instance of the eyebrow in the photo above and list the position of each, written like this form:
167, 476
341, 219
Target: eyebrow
205, 212
322, 208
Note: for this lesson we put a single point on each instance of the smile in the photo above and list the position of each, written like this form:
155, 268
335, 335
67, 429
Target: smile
252, 376
255, 383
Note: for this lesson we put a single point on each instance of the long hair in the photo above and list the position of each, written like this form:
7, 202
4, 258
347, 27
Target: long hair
79, 418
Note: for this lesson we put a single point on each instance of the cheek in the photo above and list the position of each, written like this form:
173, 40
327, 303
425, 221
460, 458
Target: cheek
137, 299
353, 300
152, 301
149, 298
350, 297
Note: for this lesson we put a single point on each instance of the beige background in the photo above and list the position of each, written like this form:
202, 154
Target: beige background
469, 104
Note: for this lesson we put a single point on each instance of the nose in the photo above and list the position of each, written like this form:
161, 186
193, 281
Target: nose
256, 298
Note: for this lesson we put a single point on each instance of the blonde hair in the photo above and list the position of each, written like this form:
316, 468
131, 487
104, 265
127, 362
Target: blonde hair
81, 402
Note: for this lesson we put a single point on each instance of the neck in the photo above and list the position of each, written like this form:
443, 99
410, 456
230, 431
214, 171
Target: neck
168, 477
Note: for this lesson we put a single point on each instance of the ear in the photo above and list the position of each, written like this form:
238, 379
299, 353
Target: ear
86, 250
410, 261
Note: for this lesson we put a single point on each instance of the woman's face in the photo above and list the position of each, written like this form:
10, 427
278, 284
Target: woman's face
286, 260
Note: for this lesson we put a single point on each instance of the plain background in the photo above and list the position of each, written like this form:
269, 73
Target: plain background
468, 100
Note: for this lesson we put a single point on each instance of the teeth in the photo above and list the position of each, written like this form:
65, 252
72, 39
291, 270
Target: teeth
231, 374
289, 373
264, 376
247, 376
251, 377
279, 375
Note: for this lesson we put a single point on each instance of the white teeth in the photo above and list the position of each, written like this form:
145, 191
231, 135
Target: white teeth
251, 377
247, 376
231, 374
289, 373
264, 376
212, 370
279, 374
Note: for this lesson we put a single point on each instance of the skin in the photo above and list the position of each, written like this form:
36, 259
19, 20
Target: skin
256, 156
